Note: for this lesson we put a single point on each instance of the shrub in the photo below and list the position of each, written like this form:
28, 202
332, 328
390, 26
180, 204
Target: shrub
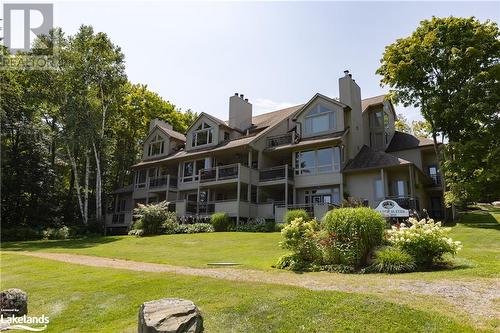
392, 260
300, 237
349, 234
220, 221
293, 262
56, 233
425, 240
136, 232
293, 214
194, 228
153, 217
170, 223
20, 234
256, 225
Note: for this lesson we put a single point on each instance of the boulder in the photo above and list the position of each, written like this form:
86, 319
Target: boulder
13, 302
170, 315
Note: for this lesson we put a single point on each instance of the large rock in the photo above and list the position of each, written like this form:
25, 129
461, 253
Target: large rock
170, 315
13, 302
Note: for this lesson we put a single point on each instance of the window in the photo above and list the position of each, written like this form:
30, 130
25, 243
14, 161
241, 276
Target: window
140, 178
320, 119
121, 205
324, 195
379, 189
191, 169
156, 146
317, 161
203, 135
226, 136
399, 188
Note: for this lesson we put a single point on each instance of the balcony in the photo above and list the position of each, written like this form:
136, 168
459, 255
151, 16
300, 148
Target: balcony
276, 173
158, 182
436, 179
279, 140
123, 218
222, 172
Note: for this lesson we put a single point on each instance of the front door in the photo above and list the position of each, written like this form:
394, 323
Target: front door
436, 210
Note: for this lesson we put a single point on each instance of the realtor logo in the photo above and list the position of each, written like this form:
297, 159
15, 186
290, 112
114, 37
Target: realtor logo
23, 22
388, 204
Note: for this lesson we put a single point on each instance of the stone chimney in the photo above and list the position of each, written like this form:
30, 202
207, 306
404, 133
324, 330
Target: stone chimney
159, 122
240, 112
350, 94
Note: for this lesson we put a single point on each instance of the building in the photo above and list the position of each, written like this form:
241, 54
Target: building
310, 156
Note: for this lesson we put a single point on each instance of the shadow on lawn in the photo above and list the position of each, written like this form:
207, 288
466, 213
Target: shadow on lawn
61, 244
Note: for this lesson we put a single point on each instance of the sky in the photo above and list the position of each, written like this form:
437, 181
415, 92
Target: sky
196, 55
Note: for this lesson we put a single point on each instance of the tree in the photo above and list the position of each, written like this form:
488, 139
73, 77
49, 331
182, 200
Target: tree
421, 128
449, 67
401, 124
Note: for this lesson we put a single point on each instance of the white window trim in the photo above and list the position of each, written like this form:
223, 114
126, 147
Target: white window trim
335, 166
208, 129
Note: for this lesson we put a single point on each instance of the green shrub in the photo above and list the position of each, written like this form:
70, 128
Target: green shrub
299, 236
170, 223
256, 225
153, 218
392, 260
293, 262
136, 232
350, 234
293, 214
220, 221
20, 234
56, 233
425, 240
194, 228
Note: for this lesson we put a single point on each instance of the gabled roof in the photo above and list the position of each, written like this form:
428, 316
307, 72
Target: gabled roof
267, 119
172, 133
318, 95
214, 119
372, 101
403, 141
368, 158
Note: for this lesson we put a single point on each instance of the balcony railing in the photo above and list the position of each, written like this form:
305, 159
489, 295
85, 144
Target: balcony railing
206, 208
436, 179
162, 182
279, 140
405, 202
219, 173
276, 173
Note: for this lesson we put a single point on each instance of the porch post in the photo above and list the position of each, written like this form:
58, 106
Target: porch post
382, 178
286, 186
412, 181
341, 194
294, 195
249, 189
259, 160
179, 180
238, 195
198, 195
168, 187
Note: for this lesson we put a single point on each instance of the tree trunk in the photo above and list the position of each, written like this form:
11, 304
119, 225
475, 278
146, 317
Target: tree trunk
98, 185
77, 186
86, 190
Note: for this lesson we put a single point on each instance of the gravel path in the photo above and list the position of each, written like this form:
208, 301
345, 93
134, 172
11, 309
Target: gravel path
479, 298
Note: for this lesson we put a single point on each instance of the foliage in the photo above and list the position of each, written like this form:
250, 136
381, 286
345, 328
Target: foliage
421, 128
392, 260
350, 234
220, 221
170, 223
293, 214
56, 233
299, 236
425, 240
449, 68
194, 228
19, 233
401, 124
136, 232
256, 225
154, 218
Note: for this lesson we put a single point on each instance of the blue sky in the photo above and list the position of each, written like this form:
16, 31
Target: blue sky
198, 54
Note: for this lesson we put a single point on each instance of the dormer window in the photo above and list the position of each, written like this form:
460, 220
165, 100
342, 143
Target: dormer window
203, 135
156, 146
320, 119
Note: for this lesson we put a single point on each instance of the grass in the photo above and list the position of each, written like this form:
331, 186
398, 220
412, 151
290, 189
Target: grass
479, 231
92, 299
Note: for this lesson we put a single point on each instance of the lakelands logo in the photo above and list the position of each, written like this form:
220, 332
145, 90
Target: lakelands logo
24, 323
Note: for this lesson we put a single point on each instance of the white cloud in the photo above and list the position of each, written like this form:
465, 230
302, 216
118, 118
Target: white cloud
263, 105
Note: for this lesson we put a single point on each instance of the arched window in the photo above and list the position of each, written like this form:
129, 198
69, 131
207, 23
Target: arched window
203, 135
320, 119
156, 146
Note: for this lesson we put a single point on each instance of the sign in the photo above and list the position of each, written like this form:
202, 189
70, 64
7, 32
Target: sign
390, 208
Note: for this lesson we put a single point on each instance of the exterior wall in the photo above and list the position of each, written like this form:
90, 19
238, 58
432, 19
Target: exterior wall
362, 185
412, 155
151, 136
189, 136
350, 94
240, 113
323, 179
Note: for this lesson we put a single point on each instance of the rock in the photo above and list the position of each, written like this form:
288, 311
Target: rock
170, 315
13, 302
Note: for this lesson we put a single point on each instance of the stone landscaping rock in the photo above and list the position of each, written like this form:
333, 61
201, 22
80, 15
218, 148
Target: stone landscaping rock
13, 302
170, 315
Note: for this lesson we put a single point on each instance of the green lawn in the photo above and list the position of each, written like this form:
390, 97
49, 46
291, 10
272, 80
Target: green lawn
479, 230
77, 298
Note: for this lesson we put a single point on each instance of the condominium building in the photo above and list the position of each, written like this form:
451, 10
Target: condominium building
312, 156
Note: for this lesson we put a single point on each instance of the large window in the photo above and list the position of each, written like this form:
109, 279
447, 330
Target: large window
317, 161
156, 146
203, 135
379, 189
191, 169
320, 119
140, 178
322, 196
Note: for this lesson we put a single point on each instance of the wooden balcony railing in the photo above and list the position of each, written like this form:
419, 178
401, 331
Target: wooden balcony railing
279, 140
276, 173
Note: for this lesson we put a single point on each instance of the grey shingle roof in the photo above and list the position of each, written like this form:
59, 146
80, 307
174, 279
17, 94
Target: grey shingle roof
402, 141
368, 158
367, 102
172, 133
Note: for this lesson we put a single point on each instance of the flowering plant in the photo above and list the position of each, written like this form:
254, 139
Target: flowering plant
424, 240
